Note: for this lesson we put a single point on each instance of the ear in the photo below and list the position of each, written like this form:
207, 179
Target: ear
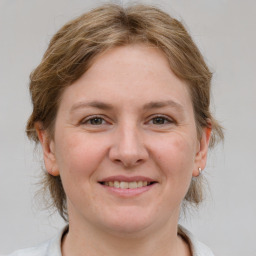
201, 155
48, 150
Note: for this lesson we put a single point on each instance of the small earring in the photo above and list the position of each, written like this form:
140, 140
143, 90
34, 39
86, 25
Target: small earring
54, 173
200, 171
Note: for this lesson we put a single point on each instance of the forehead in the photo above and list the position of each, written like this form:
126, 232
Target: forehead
139, 73
139, 58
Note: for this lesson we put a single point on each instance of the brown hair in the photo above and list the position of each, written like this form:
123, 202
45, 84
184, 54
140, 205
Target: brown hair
72, 51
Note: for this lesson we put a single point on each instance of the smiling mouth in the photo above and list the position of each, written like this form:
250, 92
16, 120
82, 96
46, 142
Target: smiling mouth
127, 185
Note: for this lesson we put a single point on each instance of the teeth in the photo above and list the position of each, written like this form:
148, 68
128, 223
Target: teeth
133, 184
116, 184
140, 184
126, 185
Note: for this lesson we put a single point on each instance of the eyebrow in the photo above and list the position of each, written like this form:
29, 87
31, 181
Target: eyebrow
148, 106
94, 104
161, 104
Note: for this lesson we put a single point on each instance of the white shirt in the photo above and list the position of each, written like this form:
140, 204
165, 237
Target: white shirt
53, 246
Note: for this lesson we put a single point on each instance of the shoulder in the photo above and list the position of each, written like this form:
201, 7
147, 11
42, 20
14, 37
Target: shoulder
50, 247
40, 250
197, 248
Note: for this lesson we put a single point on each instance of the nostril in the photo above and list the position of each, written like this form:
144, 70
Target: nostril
128, 154
131, 163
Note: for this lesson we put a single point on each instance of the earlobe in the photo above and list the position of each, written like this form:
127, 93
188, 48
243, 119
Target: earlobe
48, 149
201, 155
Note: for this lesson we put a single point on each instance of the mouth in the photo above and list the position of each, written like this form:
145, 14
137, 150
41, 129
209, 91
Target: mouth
127, 185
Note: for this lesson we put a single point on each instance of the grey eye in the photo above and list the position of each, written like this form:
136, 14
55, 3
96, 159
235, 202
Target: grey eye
95, 121
160, 120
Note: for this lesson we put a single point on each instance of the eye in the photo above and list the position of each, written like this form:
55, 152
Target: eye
161, 120
93, 120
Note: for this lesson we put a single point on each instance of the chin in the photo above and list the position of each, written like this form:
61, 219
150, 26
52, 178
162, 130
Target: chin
128, 223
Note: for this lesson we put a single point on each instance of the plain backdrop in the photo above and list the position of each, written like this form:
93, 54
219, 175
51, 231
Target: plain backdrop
225, 33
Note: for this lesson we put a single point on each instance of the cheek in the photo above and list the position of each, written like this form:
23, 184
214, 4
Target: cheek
78, 155
178, 150
175, 158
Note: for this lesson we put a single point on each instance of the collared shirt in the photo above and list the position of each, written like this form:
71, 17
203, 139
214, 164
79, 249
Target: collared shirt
53, 246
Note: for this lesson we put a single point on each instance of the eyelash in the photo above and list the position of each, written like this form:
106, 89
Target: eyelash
90, 118
86, 121
166, 119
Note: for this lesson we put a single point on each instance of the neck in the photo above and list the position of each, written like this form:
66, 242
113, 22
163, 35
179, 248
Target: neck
90, 241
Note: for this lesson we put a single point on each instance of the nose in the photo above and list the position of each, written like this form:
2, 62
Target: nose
128, 148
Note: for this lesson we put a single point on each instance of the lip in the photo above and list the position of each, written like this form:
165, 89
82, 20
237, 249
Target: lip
127, 193
127, 178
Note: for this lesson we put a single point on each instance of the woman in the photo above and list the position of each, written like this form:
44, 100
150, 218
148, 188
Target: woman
121, 109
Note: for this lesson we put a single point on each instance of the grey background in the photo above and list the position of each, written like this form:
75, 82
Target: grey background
225, 33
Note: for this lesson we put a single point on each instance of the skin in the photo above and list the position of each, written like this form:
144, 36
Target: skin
130, 136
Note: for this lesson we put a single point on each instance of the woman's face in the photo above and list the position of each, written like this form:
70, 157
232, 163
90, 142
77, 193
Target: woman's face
126, 143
